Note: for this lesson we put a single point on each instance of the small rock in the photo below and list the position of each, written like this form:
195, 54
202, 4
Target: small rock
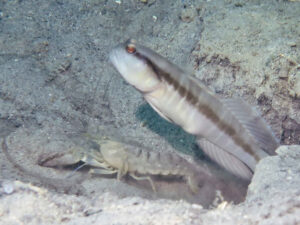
188, 15
294, 83
8, 187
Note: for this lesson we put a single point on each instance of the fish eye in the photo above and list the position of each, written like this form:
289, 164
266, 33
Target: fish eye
130, 48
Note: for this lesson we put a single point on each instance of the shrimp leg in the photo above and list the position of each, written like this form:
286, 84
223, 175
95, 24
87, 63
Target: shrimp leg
144, 178
102, 171
123, 169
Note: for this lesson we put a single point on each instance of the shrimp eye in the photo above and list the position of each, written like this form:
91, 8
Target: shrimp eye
130, 48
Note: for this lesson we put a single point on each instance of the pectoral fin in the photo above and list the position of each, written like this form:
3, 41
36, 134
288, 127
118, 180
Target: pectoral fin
225, 159
159, 112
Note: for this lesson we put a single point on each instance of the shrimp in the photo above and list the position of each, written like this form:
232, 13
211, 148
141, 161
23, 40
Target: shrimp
121, 158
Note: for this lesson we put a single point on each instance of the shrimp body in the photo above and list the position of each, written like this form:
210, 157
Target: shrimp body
109, 156
132, 159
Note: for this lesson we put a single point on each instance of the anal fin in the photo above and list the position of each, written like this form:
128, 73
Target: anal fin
225, 159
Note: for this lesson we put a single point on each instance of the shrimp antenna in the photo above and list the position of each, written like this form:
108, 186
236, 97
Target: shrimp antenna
75, 170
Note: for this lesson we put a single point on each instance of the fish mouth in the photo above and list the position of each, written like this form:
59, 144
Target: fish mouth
116, 59
113, 57
115, 54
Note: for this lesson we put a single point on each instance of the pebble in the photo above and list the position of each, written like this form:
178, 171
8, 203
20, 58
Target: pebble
8, 187
188, 15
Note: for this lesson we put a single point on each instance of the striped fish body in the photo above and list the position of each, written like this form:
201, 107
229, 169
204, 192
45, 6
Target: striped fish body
229, 131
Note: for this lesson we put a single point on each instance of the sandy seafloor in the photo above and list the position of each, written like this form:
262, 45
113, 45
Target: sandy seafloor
56, 85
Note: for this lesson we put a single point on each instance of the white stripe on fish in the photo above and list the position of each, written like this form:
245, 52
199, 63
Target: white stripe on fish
229, 131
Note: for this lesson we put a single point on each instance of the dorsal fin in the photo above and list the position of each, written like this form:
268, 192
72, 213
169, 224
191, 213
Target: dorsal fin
253, 123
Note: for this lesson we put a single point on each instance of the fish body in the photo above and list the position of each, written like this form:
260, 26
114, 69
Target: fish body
229, 131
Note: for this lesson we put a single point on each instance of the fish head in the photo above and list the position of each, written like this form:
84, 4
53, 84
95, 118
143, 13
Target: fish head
134, 67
